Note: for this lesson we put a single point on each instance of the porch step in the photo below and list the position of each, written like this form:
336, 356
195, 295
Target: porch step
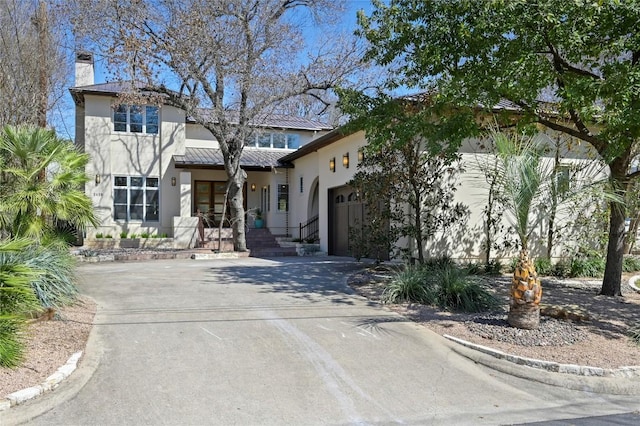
262, 243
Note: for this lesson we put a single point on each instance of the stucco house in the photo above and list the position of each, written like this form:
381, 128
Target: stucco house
153, 170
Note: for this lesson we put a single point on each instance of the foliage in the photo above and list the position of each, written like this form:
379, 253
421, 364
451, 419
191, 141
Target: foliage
108, 236
543, 266
586, 266
442, 283
43, 181
408, 285
144, 235
634, 334
579, 56
17, 298
561, 269
631, 264
99, 235
397, 173
123, 235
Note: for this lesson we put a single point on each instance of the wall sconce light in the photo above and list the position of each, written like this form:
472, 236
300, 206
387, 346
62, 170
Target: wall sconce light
345, 160
332, 164
253, 187
173, 181
360, 155
98, 179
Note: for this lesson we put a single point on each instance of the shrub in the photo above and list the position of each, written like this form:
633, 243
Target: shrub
631, 264
512, 265
99, 235
16, 299
408, 285
494, 267
164, 235
55, 286
133, 236
634, 334
144, 235
543, 266
108, 236
123, 235
586, 267
435, 263
473, 268
561, 269
455, 290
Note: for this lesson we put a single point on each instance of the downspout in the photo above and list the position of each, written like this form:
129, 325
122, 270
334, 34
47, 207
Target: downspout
286, 220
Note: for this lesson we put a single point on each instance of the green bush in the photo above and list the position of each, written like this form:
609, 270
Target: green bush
435, 263
473, 268
494, 267
164, 235
408, 285
440, 283
144, 235
454, 289
55, 287
631, 264
123, 235
108, 236
99, 235
586, 267
17, 299
561, 269
133, 236
543, 266
512, 265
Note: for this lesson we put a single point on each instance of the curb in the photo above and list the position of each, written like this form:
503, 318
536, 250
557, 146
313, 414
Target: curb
579, 370
632, 283
50, 383
625, 381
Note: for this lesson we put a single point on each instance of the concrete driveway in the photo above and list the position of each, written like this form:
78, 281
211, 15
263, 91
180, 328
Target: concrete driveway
284, 341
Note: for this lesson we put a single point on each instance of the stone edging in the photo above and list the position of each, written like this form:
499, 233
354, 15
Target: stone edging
49, 384
554, 367
632, 283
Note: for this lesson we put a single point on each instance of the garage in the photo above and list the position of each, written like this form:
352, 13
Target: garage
346, 211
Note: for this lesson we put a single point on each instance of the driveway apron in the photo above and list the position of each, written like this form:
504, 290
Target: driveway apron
282, 341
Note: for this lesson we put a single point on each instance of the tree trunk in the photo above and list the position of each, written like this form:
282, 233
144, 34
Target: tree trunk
612, 282
237, 210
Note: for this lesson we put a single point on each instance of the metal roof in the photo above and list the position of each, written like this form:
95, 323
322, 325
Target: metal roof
211, 158
269, 120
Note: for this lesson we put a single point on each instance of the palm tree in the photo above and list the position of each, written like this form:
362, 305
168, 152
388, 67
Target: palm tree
42, 183
522, 177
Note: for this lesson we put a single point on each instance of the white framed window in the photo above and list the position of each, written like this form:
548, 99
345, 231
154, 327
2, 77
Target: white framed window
135, 198
277, 140
283, 198
135, 119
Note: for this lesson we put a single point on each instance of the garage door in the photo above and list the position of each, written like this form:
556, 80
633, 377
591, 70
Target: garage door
346, 211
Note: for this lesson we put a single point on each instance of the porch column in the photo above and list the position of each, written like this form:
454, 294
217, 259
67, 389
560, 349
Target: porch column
185, 194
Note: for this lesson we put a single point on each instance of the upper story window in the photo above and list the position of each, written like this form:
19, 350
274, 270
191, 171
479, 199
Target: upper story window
277, 140
135, 119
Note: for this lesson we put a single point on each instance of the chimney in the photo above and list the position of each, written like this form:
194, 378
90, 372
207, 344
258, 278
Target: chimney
84, 69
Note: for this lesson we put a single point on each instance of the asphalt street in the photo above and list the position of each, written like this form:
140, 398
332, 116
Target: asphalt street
277, 342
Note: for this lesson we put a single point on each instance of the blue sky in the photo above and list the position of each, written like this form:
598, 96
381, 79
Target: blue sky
63, 116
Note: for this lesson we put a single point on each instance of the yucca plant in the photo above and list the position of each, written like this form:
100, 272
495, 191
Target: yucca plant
408, 285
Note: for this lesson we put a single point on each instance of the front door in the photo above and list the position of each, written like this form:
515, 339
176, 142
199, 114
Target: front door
209, 200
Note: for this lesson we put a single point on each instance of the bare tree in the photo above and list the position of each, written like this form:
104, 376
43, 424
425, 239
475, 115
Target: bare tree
33, 67
240, 59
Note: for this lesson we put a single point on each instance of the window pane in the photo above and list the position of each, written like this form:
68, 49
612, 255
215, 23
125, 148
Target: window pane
152, 182
120, 118
120, 196
137, 197
120, 181
136, 212
152, 206
152, 213
264, 141
152, 119
293, 141
135, 118
120, 212
279, 141
136, 181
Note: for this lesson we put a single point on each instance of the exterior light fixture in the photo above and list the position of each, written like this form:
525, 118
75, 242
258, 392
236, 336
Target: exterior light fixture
173, 181
345, 160
360, 155
253, 187
332, 164
98, 179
